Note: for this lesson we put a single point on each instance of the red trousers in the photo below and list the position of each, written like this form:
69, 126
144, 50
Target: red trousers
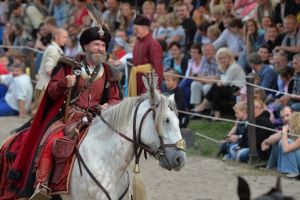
46, 160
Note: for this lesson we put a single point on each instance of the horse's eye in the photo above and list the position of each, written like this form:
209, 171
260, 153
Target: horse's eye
167, 120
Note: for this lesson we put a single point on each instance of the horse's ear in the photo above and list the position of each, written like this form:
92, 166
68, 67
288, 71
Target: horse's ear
243, 189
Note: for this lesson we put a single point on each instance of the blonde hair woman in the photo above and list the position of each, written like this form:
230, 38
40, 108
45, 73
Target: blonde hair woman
289, 148
232, 79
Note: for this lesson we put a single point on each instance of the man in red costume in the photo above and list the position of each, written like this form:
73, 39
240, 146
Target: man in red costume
146, 51
93, 85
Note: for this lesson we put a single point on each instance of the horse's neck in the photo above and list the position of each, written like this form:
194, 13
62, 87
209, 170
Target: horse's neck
106, 151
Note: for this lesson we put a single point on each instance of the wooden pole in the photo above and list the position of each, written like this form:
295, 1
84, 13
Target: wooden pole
253, 158
68, 99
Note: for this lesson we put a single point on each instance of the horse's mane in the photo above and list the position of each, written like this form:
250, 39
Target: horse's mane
118, 115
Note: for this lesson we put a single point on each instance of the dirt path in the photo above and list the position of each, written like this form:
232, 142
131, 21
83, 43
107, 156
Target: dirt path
201, 179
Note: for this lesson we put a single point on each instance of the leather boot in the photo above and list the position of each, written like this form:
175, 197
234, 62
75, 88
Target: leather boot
42, 192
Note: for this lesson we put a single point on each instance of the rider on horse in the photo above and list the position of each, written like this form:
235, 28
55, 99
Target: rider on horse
61, 117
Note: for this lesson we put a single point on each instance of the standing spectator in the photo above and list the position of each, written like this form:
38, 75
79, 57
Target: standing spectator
187, 23
146, 51
60, 12
208, 72
264, 8
232, 79
17, 99
291, 41
194, 68
267, 76
49, 60
179, 60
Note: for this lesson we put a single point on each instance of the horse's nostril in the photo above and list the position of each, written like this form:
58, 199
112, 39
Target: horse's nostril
178, 160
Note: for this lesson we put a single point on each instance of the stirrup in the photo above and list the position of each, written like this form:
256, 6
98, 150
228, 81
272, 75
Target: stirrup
41, 193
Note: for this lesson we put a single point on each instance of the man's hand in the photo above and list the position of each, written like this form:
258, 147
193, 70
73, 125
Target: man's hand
70, 80
264, 146
232, 138
104, 106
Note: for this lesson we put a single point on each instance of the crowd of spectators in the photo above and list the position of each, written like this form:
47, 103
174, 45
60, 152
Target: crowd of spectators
218, 42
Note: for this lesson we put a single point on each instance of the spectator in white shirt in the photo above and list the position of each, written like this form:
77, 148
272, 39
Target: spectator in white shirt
17, 99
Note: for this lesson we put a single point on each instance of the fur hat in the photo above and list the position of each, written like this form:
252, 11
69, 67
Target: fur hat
142, 20
92, 33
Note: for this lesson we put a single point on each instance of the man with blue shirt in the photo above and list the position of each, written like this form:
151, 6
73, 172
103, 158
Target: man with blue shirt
267, 75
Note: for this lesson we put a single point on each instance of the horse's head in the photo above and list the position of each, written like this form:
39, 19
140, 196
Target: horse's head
159, 130
274, 194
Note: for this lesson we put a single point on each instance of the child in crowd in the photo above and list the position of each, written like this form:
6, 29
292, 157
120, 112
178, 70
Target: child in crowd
237, 136
17, 99
172, 85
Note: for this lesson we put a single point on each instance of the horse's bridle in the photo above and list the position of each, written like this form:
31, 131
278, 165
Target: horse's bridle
138, 145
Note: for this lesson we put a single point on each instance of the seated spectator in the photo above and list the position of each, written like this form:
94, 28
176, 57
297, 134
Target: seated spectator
233, 140
231, 81
175, 29
286, 75
252, 43
179, 61
273, 141
148, 9
272, 37
265, 23
193, 69
17, 99
217, 17
43, 38
228, 7
290, 160
213, 33
262, 118
283, 9
295, 100
161, 31
189, 26
245, 8
72, 47
264, 53
268, 77
172, 86
126, 18
229, 39
264, 8
208, 74
201, 34
291, 41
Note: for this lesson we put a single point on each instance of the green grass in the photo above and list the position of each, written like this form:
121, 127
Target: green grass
215, 130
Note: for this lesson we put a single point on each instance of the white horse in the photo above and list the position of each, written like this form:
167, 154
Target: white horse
108, 155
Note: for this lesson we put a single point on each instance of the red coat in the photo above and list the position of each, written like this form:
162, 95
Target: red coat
148, 50
51, 109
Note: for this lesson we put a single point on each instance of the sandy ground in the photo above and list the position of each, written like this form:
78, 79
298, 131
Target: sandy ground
201, 179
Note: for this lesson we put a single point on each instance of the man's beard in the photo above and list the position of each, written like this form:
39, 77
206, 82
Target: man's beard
96, 58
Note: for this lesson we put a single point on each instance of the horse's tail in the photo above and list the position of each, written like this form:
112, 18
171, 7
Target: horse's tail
138, 188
